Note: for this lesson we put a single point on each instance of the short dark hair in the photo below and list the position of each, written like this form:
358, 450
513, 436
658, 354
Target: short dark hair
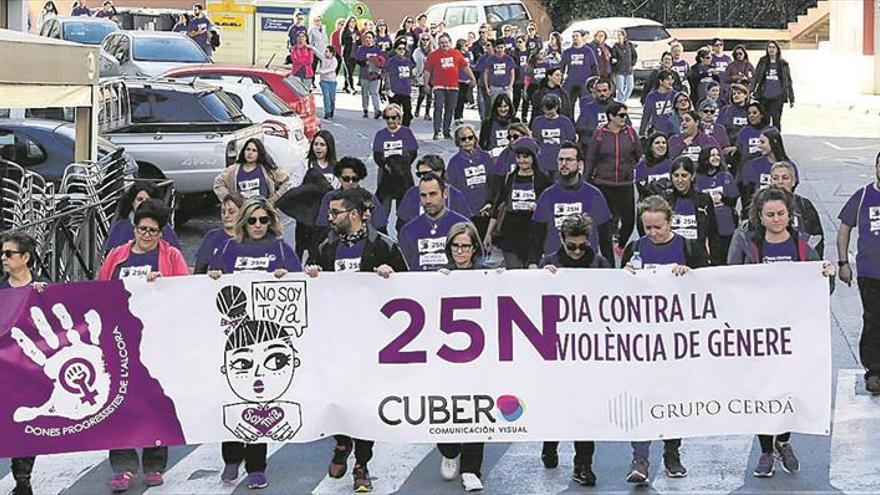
613, 108
665, 74
199, 6
24, 242
352, 163
576, 224
431, 177
435, 162
571, 145
351, 199
550, 101
154, 209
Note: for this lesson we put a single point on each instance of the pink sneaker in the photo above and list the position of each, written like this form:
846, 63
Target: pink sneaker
120, 482
153, 479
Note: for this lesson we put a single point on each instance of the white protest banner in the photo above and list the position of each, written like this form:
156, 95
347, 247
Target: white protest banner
469, 356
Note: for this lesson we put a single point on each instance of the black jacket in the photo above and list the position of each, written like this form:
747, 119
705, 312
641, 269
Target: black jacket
784, 79
379, 250
624, 57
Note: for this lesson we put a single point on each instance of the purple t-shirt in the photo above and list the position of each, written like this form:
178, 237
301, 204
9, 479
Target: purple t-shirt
757, 172
393, 144
265, 255
138, 265
557, 202
379, 217
363, 54
725, 184
684, 218
748, 139
645, 175
862, 211
410, 206
423, 241
196, 24
720, 62
780, 252
521, 57
657, 104
580, 64
733, 117
252, 184
772, 85
717, 132
213, 242
681, 67
384, 42
677, 147
653, 255
399, 72
497, 138
499, 70
122, 231
468, 172
550, 134
348, 258
81, 10
539, 71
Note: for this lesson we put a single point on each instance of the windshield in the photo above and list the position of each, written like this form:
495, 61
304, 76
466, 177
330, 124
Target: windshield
156, 106
270, 102
297, 87
647, 33
168, 49
88, 33
221, 106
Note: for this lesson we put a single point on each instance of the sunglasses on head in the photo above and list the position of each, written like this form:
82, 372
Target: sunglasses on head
262, 220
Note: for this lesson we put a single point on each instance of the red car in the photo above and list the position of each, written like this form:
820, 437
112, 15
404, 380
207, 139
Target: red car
278, 79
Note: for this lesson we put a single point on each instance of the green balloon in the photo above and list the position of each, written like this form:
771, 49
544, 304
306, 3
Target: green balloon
332, 10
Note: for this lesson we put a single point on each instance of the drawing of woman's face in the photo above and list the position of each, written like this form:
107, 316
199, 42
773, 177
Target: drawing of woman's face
260, 372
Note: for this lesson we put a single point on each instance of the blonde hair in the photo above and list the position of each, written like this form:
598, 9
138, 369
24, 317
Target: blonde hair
249, 207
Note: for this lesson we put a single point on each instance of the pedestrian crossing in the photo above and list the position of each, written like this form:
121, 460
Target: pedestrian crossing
715, 464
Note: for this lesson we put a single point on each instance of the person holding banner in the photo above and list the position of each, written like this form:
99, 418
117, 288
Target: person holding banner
19, 253
121, 231
860, 212
464, 251
216, 238
148, 257
354, 245
256, 246
773, 239
423, 238
576, 251
661, 245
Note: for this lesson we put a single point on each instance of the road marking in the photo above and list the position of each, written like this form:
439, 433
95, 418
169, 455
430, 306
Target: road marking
54, 473
854, 446
390, 467
714, 464
521, 467
848, 148
199, 472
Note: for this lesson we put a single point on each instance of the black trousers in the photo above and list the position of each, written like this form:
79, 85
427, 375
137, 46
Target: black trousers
622, 203
465, 94
718, 247
349, 70
253, 455
766, 441
517, 96
21, 469
405, 102
153, 460
471, 455
363, 449
527, 101
427, 97
869, 343
774, 111
583, 451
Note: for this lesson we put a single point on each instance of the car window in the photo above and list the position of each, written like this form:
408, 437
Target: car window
88, 33
168, 49
221, 106
21, 149
298, 87
647, 33
119, 49
237, 99
157, 106
506, 12
456, 16
271, 103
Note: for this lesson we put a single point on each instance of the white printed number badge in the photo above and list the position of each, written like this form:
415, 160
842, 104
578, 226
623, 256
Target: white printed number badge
874, 218
348, 265
563, 210
251, 263
136, 272
431, 251
475, 176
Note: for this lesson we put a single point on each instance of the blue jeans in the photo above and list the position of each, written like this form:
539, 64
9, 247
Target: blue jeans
641, 449
624, 83
328, 89
444, 107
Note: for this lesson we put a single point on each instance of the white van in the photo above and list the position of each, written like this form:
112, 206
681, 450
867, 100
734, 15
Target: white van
466, 17
649, 37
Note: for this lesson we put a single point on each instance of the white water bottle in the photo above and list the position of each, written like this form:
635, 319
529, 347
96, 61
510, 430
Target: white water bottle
636, 261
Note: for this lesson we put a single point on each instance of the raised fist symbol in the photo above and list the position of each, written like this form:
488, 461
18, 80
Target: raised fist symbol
77, 369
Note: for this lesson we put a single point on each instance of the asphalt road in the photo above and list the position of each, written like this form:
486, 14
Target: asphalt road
845, 461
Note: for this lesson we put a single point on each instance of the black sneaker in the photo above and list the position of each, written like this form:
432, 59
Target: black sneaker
672, 463
339, 463
447, 135
638, 472
584, 475
872, 384
362, 481
377, 115
366, 114
550, 459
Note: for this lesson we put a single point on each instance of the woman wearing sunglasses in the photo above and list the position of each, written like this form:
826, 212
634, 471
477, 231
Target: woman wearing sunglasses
257, 246
468, 171
148, 257
394, 150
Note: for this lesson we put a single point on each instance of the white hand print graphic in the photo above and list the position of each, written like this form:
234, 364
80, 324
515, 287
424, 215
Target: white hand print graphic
77, 369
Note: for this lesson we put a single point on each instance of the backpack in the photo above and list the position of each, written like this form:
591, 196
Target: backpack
758, 247
215, 39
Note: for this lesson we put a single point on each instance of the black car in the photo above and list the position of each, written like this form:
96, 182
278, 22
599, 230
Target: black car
46, 146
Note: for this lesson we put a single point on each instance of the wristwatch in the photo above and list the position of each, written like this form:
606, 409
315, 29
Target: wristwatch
842, 264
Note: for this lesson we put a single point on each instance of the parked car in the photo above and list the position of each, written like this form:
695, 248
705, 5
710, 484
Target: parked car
150, 53
465, 17
649, 37
262, 106
85, 30
46, 146
278, 79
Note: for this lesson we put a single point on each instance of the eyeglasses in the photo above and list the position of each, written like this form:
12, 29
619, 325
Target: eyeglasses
622, 115
469, 137
460, 248
401, 48
335, 213
147, 231
7, 253
566, 159
391, 117
513, 137
261, 220
571, 246
349, 178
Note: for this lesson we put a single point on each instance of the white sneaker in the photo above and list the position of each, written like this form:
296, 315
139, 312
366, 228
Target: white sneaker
471, 482
448, 468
